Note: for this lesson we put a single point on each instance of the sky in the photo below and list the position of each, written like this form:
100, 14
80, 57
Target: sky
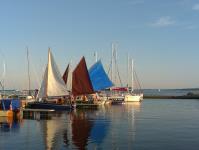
160, 35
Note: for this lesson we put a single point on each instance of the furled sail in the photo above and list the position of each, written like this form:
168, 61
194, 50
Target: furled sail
65, 76
99, 78
52, 84
81, 83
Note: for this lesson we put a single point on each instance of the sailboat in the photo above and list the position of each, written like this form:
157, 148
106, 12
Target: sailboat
52, 88
9, 107
131, 96
84, 86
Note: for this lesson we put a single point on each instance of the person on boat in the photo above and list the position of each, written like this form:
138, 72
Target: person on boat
72, 101
84, 98
11, 106
59, 101
36, 92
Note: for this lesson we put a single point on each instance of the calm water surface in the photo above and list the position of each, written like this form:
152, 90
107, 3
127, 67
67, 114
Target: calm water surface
149, 125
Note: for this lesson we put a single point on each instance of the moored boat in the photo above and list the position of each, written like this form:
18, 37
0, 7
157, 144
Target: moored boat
53, 92
10, 107
131, 95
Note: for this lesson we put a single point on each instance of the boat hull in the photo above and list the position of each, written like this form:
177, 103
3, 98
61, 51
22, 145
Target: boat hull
6, 113
133, 98
56, 107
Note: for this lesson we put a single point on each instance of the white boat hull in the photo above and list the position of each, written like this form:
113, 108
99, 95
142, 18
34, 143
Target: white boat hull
133, 98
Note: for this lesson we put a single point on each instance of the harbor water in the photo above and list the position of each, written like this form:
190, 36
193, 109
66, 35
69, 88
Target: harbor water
153, 124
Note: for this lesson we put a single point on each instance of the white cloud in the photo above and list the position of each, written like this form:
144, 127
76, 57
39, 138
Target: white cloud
195, 7
163, 22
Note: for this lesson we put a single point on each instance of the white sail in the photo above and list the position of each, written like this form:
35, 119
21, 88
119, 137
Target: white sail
52, 84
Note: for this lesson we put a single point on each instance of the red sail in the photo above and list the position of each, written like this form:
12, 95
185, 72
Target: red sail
81, 83
65, 76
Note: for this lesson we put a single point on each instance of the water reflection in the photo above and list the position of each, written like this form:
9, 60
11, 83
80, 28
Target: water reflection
81, 128
65, 138
73, 130
54, 131
8, 124
133, 106
151, 124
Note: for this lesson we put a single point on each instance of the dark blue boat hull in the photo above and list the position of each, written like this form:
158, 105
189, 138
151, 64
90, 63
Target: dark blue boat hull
55, 107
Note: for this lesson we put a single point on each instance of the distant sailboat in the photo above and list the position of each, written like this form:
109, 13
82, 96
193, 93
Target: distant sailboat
81, 83
131, 96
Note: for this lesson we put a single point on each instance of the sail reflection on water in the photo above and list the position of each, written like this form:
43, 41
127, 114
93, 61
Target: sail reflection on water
75, 130
81, 129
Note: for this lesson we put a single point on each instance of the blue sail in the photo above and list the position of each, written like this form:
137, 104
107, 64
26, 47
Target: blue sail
98, 77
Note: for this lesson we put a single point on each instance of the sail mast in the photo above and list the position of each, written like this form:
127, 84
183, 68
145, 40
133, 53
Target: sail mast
127, 83
132, 78
28, 61
96, 57
49, 59
112, 51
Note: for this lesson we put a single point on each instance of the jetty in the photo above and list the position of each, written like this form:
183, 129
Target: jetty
171, 97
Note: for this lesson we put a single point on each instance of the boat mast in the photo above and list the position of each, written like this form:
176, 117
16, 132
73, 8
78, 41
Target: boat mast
127, 83
112, 55
49, 59
28, 61
115, 58
2, 82
96, 57
132, 77
70, 76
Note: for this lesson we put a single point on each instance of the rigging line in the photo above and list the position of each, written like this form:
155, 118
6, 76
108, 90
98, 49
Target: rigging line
137, 79
28, 61
4, 72
119, 76
1, 85
109, 67
116, 67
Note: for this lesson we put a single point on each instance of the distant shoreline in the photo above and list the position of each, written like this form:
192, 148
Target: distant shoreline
171, 97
